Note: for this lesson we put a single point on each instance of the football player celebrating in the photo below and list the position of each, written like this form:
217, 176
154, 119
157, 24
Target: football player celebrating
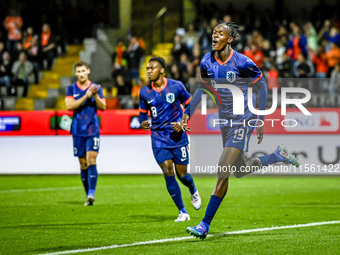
163, 98
225, 66
84, 98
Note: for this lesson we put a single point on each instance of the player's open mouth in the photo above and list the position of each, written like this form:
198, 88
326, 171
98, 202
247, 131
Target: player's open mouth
214, 42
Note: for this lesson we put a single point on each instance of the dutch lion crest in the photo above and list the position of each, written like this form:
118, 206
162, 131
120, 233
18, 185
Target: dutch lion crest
170, 98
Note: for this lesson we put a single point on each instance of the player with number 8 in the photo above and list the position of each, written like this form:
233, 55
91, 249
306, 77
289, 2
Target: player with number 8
163, 98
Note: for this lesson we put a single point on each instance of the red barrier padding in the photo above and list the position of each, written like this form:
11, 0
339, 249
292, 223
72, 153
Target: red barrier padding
125, 122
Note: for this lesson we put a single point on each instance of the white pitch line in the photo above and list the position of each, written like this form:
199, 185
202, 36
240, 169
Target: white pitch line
39, 189
190, 237
65, 188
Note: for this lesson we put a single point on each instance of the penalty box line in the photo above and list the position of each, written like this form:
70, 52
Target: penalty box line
191, 237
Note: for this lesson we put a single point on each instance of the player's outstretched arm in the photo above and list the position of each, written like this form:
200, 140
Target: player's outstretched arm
72, 104
196, 99
263, 95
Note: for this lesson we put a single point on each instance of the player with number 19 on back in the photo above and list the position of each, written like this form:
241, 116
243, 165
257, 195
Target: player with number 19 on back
223, 65
84, 98
163, 98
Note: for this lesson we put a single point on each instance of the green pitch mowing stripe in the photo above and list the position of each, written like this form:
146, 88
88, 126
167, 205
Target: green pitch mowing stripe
45, 214
190, 237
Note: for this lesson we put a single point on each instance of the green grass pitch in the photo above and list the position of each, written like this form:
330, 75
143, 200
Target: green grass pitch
45, 214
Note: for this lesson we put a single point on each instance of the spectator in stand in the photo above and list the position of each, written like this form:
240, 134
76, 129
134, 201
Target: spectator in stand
312, 39
333, 58
256, 38
255, 54
297, 44
285, 70
280, 52
136, 91
183, 68
320, 62
205, 37
334, 85
22, 71
124, 88
119, 59
17, 51
13, 24
303, 68
282, 35
28, 36
323, 31
273, 77
268, 54
34, 55
134, 55
191, 37
179, 48
333, 36
5, 69
174, 72
48, 46
194, 66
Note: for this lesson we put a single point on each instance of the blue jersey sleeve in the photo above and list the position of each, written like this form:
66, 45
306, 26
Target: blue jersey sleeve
69, 91
100, 92
250, 70
183, 95
142, 103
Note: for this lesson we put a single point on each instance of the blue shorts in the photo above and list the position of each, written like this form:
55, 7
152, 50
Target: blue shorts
180, 155
83, 144
237, 136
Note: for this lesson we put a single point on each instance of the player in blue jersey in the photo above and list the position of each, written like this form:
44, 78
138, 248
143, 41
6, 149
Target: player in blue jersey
225, 66
163, 98
84, 98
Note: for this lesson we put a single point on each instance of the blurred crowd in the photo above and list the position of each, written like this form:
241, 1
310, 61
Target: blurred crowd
283, 48
296, 51
25, 53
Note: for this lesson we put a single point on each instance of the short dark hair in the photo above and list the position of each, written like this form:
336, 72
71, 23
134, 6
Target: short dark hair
233, 28
81, 63
160, 60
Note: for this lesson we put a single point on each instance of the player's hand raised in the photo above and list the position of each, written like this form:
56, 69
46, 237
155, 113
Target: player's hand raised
145, 125
88, 93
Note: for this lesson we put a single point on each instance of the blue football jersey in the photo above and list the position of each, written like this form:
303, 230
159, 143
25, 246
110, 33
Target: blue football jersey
237, 70
165, 107
85, 120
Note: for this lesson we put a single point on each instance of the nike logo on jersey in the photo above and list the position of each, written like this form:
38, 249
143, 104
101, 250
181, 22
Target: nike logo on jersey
210, 73
151, 101
75, 95
236, 141
182, 159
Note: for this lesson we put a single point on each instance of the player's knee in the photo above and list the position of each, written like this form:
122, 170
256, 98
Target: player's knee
82, 162
168, 172
91, 161
254, 162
